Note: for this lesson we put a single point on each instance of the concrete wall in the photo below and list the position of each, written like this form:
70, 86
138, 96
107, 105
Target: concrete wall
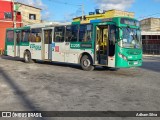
26, 10
150, 24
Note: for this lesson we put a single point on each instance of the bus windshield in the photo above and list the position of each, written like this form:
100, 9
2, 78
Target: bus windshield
131, 38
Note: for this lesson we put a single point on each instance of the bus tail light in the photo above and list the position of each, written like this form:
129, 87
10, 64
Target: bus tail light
122, 56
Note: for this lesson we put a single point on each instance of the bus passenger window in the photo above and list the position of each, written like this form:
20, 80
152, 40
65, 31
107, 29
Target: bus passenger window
18, 37
85, 33
59, 34
48, 36
35, 35
82, 33
10, 36
74, 33
68, 33
25, 35
89, 33
71, 33
112, 34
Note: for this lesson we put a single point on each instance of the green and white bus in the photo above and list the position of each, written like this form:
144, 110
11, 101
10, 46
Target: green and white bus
114, 42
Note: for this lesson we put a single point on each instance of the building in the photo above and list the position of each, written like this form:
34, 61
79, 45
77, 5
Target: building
6, 20
150, 24
151, 35
16, 16
99, 14
30, 14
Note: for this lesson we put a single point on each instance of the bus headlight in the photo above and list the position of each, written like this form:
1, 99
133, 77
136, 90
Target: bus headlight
122, 56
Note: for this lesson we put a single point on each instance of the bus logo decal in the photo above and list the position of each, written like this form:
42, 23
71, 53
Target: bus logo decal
56, 48
35, 47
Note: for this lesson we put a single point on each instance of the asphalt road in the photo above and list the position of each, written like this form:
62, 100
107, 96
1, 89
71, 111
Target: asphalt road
65, 87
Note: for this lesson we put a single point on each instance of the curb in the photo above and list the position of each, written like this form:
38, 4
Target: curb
151, 55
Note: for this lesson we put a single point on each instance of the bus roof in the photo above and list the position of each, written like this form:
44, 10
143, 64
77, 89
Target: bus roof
25, 27
101, 20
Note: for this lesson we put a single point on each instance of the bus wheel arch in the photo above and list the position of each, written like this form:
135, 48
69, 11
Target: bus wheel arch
27, 56
86, 61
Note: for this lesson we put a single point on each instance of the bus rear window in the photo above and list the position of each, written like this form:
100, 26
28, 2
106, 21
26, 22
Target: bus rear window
10, 36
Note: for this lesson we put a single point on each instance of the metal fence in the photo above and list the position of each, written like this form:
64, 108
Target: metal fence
151, 47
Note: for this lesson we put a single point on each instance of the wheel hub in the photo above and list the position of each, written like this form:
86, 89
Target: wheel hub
26, 57
86, 63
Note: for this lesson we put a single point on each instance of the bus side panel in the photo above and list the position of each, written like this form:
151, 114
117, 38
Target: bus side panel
58, 53
36, 50
10, 50
22, 50
9, 43
71, 55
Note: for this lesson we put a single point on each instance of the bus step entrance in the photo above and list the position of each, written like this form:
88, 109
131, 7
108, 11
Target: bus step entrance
103, 59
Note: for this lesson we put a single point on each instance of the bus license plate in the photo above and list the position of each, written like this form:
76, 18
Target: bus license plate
135, 63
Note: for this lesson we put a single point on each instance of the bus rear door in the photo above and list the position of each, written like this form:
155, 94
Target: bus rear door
17, 41
47, 37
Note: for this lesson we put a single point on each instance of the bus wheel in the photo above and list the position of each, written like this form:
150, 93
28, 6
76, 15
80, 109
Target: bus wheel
27, 57
86, 63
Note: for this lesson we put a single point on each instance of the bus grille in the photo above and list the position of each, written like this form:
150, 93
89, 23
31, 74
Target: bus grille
133, 52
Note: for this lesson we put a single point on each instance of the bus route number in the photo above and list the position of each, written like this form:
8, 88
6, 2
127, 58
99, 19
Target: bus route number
75, 45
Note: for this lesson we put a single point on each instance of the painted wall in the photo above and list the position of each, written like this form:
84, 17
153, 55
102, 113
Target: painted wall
6, 6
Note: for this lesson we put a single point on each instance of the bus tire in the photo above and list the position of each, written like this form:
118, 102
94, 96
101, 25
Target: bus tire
27, 57
106, 67
86, 63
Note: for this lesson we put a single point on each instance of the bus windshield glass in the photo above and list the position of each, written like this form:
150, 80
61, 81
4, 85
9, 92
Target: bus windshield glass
131, 38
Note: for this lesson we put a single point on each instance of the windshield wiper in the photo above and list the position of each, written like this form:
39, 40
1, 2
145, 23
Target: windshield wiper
129, 30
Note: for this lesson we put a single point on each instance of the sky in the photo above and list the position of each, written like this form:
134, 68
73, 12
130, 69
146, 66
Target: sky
65, 10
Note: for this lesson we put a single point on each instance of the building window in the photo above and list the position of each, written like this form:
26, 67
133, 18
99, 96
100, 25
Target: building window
8, 15
32, 16
143, 37
154, 37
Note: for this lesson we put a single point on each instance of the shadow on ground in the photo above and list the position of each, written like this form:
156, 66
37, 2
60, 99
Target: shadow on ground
62, 64
26, 102
151, 63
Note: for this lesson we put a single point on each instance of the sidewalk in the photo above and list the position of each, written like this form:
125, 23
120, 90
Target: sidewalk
147, 55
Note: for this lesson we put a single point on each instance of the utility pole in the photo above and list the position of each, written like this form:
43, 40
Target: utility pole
14, 25
14, 15
82, 7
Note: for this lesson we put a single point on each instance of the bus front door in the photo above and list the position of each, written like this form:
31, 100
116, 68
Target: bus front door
47, 33
102, 44
111, 46
17, 41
